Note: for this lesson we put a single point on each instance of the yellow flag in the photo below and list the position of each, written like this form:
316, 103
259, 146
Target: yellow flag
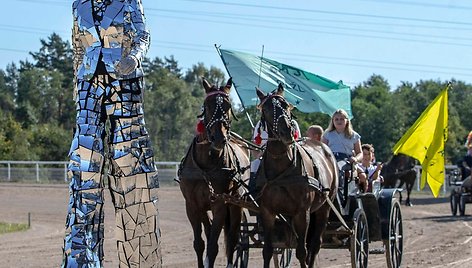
425, 142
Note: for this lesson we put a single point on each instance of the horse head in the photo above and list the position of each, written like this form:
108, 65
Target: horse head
276, 115
217, 114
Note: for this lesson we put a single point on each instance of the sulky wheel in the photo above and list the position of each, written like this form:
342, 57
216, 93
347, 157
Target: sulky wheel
394, 244
359, 240
241, 259
453, 200
462, 205
283, 258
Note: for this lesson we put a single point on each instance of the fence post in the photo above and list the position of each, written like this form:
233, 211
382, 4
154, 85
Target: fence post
65, 172
418, 178
9, 172
37, 172
177, 171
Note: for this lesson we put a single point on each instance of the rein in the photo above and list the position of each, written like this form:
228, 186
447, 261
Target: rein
233, 165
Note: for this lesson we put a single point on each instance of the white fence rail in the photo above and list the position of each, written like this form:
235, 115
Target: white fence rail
445, 186
56, 172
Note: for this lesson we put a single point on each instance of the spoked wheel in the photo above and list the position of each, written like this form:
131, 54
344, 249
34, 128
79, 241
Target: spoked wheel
282, 258
453, 200
394, 244
241, 260
462, 205
359, 240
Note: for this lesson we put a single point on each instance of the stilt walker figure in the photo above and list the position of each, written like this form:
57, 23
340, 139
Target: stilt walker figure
110, 40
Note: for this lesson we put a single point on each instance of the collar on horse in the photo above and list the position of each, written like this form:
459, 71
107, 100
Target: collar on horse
230, 163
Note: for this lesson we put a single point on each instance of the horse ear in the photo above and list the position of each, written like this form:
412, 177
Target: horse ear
280, 89
290, 106
206, 85
260, 94
227, 88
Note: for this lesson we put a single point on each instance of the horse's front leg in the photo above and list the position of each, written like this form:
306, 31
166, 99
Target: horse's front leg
409, 187
300, 224
232, 232
195, 217
268, 222
318, 222
219, 214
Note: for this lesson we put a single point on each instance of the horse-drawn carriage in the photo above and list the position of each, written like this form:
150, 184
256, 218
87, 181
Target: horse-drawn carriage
460, 195
355, 221
298, 205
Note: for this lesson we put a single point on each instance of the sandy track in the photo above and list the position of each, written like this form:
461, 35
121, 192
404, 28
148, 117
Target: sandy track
433, 238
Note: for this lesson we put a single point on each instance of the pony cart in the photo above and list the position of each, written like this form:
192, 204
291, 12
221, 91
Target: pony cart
460, 195
358, 219
298, 202
355, 221
348, 219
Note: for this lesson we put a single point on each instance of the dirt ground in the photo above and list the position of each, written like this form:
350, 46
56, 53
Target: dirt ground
433, 238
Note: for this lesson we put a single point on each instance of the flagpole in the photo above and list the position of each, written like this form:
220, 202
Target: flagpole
240, 99
260, 68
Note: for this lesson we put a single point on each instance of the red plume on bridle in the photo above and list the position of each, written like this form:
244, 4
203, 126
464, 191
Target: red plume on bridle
258, 139
200, 128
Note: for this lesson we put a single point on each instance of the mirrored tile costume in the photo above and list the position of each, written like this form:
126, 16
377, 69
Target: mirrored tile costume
104, 33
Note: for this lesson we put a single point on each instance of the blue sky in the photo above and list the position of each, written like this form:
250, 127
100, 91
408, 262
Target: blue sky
349, 40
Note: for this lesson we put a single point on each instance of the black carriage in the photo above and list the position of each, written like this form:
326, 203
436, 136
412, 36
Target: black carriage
460, 195
359, 219
356, 220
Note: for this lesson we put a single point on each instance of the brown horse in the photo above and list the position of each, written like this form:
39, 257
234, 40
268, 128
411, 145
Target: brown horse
294, 180
213, 165
397, 171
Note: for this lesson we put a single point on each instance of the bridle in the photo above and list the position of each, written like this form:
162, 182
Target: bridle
219, 114
277, 105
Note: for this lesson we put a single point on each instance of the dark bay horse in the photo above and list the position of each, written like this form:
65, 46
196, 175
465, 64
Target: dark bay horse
294, 180
397, 171
211, 165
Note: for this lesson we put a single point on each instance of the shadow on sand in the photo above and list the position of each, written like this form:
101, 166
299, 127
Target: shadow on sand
428, 201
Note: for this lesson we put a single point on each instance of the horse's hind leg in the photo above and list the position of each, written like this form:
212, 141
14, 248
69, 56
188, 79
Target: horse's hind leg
195, 219
232, 230
317, 226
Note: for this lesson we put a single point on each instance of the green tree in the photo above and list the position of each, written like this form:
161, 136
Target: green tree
171, 111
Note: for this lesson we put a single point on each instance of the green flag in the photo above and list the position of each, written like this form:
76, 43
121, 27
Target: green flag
306, 91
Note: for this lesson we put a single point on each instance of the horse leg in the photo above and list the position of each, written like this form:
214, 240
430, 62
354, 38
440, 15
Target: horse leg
195, 218
232, 228
206, 225
317, 226
219, 215
409, 188
300, 223
268, 222
401, 186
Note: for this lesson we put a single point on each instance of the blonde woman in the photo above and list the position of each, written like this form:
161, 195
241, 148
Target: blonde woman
342, 139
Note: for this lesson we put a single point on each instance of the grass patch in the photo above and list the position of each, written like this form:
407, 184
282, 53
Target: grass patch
12, 227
